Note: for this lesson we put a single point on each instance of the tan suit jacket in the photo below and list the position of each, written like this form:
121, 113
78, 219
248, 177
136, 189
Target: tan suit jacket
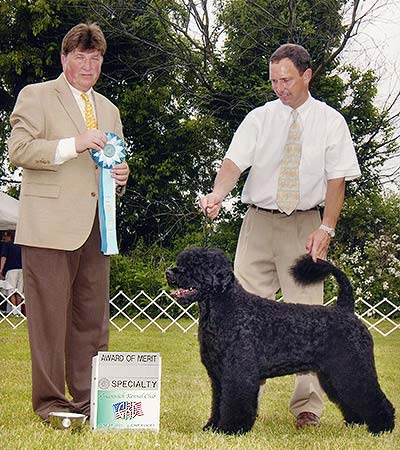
57, 202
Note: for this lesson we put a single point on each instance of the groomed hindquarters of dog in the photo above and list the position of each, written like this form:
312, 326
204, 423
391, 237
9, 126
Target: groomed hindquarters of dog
358, 395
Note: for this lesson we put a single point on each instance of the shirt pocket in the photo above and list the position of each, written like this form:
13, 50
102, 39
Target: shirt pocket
313, 159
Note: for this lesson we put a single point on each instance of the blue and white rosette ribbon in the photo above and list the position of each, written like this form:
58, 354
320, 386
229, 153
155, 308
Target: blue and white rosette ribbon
113, 153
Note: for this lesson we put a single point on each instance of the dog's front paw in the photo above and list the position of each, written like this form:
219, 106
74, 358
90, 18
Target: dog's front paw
210, 425
228, 431
223, 429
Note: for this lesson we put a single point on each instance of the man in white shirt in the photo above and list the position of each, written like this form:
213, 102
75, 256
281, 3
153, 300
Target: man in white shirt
273, 236
66, 277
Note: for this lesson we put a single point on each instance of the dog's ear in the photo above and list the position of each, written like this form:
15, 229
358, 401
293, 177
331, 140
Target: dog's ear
222, 280
219, 270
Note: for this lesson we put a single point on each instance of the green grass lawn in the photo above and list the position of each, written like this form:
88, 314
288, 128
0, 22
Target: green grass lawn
185, 403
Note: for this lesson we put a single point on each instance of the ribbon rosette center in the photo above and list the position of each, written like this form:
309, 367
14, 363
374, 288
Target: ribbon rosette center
113, 152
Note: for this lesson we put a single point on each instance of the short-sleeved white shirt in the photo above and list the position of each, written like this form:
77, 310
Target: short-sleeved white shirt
327, 151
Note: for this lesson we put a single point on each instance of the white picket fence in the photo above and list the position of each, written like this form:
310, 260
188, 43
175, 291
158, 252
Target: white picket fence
142, 311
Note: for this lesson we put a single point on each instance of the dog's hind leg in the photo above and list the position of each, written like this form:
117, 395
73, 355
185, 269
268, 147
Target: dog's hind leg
356, 390
377, 410
373, 408
350, 417
212, 423
381, 416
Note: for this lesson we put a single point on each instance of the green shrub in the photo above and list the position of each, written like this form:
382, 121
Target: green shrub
143, 269
367, 249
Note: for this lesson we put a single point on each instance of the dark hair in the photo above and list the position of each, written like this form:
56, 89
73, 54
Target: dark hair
84, 36
296, 53
9, 233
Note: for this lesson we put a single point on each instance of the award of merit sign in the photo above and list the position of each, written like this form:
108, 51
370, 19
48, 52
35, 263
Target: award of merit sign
125, 392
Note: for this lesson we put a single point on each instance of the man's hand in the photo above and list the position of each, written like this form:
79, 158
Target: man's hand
211, 205
318, 241
317, 244
90, 139
96, 140
120, 173
226, 179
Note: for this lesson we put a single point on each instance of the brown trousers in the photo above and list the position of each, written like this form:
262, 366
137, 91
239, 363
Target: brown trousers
268, 245
67, 295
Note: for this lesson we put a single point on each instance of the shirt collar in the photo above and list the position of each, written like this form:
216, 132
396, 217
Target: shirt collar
77, 92
302, 109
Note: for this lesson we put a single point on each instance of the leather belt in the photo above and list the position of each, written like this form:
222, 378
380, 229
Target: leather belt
276, 211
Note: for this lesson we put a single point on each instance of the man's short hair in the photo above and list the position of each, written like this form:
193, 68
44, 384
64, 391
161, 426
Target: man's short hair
296, 53
84, 36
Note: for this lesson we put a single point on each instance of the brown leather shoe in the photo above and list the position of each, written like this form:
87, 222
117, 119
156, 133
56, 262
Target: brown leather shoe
307, 418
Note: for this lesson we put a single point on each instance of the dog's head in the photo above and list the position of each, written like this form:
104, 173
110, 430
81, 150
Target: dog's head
199, 272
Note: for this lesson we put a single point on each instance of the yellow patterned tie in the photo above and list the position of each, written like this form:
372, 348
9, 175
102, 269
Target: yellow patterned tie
288, 195
90, 118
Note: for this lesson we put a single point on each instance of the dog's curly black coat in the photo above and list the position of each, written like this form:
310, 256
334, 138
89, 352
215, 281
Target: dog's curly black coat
245, 338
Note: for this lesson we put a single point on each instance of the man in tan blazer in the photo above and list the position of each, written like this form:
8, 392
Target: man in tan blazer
65, 274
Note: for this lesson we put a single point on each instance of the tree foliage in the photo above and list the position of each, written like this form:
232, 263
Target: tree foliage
30, 39
184, 73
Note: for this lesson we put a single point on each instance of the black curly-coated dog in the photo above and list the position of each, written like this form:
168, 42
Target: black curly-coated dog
245, 338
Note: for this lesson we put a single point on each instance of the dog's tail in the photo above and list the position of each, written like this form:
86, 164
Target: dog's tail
305, 271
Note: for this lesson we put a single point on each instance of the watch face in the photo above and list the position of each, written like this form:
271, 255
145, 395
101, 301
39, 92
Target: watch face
329, 231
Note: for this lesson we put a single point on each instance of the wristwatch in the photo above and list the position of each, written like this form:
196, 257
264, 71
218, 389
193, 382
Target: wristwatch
330, 231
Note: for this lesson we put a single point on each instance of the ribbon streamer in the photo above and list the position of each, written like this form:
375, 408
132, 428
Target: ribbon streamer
113, 153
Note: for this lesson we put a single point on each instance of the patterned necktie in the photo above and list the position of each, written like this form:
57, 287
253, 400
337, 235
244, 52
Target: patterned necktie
288, 195
90, 118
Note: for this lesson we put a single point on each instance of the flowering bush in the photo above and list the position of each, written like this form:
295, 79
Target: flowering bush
374, 272
368, 251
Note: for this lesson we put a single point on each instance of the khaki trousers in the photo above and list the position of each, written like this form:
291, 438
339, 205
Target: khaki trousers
268, 245
67, 295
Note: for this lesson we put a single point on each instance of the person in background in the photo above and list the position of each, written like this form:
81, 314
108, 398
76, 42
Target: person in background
66, 277
11, 269
300, 153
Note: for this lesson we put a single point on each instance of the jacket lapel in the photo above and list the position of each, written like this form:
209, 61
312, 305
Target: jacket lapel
69, 103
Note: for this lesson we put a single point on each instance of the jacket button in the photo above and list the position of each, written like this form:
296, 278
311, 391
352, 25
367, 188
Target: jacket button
93, 194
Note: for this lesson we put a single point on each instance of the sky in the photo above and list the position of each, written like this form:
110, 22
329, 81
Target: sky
377, 46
